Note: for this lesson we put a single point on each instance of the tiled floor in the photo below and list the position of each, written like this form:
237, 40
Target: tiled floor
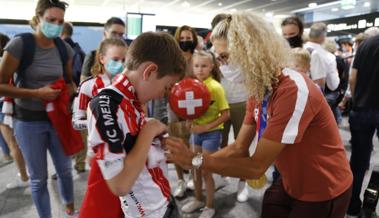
18, 204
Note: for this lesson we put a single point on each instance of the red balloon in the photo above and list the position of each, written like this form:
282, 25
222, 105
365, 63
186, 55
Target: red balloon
189, 98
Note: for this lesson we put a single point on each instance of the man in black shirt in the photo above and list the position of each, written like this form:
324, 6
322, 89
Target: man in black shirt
364, 118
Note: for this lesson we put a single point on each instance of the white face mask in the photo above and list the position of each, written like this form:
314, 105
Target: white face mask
232, 73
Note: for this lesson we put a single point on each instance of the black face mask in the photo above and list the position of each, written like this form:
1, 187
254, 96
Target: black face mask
295, 41
187, 46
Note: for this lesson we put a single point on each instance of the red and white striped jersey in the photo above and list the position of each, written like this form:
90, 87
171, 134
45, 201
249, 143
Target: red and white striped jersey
115, 118
86, 91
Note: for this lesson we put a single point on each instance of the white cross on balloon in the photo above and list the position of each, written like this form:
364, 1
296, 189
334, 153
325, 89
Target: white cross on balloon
190, 103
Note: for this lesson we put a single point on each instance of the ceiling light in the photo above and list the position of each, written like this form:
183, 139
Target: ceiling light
366, 4
233, 10
269, 14
219, 4
335, 9
281, 16
186, 4
312, 5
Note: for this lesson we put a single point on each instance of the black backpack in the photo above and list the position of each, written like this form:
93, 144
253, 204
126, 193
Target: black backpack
343, 74
28, 51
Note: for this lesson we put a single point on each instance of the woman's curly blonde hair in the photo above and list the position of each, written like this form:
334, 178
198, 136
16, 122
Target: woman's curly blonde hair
257, 48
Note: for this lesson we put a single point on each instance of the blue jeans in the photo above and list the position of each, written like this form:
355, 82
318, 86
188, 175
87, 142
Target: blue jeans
3, 144
209, 141
34, 139
363, 123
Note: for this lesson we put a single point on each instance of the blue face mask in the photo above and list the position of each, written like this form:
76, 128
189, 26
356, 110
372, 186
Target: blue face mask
51, 30
114, 67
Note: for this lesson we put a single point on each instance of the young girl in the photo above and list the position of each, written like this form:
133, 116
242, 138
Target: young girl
207, 129
109, 62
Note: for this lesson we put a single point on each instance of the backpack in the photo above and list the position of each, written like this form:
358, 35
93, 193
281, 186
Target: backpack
343, 74
77, 63
28, 51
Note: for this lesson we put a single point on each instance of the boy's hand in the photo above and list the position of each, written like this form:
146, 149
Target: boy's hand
155, 127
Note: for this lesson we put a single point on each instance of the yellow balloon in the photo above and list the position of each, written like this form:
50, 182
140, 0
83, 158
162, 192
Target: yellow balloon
257, 183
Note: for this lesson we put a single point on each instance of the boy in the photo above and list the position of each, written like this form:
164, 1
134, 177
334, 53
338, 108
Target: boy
301, 60
122, 138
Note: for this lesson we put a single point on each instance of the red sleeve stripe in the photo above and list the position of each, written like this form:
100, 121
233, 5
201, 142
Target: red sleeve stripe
99, 84
130, 116
83, 101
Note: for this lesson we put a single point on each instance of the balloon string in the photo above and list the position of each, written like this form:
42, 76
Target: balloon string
192, 144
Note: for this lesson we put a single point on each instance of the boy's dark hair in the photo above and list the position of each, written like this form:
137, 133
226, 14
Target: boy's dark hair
113, 20
294, 21
43, 5
159, 48
67, 29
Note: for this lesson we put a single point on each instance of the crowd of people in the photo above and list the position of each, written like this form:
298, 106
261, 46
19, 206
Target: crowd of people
282, 93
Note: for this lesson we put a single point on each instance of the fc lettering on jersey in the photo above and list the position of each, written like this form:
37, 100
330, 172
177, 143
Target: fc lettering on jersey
104, 109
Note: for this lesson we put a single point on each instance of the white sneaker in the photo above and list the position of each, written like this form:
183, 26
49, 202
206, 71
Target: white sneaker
242, 192
74, 214
207, 212
18, 183
192, 205
351, 216
180, 189
190, 184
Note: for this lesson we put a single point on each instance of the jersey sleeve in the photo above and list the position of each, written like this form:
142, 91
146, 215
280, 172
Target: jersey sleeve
291, 114
79, 107
106, 134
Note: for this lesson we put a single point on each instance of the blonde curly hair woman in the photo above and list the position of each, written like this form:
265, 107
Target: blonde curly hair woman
246, 33
294, 125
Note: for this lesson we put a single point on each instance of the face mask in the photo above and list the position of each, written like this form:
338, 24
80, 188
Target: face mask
114, 67
187, 46
295, 41
51, 30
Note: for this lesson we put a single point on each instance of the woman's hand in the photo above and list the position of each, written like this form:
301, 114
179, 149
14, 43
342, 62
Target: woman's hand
47, 93
178, 152
197, 129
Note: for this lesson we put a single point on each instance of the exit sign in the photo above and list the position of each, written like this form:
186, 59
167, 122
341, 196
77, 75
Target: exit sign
348, 4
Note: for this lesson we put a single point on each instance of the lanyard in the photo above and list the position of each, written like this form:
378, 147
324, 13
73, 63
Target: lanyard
262, 117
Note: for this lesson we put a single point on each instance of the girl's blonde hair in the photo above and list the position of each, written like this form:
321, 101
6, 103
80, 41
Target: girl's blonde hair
215, 73
97, 68
257, 48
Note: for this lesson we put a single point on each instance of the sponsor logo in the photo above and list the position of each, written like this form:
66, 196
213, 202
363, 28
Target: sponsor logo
108, 119
109, 163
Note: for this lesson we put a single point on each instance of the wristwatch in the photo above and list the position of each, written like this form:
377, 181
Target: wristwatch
197, 160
